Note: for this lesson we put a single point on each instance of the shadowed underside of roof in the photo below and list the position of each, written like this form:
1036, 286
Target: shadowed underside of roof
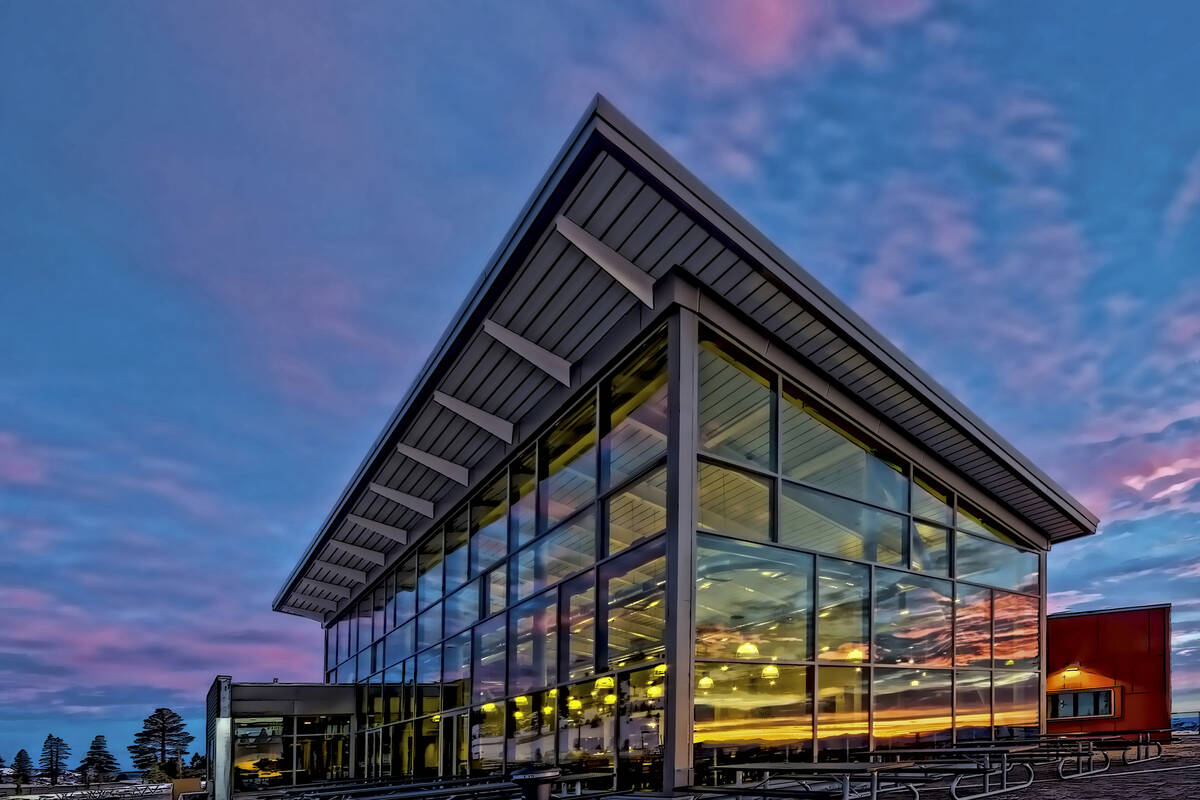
613, 215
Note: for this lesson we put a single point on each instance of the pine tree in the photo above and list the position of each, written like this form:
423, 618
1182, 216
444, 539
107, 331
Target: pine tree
22, 768
163, 738
99, 763
54, 758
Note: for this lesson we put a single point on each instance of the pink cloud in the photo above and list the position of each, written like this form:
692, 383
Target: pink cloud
1064, 601
22, 462
1183, 202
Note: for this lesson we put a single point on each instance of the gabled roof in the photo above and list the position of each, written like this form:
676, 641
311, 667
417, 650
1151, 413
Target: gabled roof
614, 214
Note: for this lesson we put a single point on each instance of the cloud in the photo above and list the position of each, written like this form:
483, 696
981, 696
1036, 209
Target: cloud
22, 463
1183, 202
1065, 601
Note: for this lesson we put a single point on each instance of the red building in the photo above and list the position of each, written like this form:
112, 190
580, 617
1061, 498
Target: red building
1109, 670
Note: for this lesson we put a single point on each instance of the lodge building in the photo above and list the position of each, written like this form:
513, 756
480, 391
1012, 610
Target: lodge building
659, 501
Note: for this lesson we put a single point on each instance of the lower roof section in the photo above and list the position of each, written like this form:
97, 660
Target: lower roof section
586, 259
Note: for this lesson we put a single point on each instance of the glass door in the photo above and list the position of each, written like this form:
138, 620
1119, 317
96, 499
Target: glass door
455, 741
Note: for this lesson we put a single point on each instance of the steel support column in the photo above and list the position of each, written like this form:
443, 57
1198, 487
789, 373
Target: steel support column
681, 550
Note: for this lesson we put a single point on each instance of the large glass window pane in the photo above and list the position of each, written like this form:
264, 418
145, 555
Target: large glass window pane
580, 599
487, 739
752, 601
565, 551
489, 525
640, 724
429, 568
973, 627
996, 564
523, 498
817, 521
258, 756
636, 404
429, 682
1016, 629
456, 549
735, 404
733, 502
533, 651
456, 671
497, 591
406, 589
585, 726
843, 622
1017, 703
819, 452
400, 643
843, 705
973, 705
912, 619
749, 713
532, 727
377, 608
488, 653
912, 708
429, 627
930, 548
634, 584
570, 451
637, 512
462, 608
364, 623
931, 502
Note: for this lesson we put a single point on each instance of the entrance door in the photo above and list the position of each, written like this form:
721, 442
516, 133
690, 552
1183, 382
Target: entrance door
373, 755
454, 745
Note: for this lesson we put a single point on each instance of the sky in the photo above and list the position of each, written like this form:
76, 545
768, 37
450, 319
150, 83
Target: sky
230, 234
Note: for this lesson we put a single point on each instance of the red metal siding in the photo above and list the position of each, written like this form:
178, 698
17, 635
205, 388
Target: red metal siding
1127, 650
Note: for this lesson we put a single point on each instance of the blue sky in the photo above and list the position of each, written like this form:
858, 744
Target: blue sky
230, 233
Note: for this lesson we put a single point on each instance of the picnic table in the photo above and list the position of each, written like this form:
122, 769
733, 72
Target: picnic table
1144, 742
844, 775
986, 762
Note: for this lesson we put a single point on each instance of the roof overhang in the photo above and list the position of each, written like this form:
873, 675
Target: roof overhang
593, 259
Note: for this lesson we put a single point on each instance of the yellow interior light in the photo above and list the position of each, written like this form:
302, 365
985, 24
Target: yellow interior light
574, 704
610, 699
770, 671
705, 682
747, 650
604, 683
488, 708
654, 691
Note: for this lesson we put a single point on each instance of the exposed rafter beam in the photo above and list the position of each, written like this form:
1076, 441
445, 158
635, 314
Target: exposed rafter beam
500, 428
350, 574
332, 588
365, 553
398, 535
423, 507
455, 472
325, 605
302, 612
554, 366
620, 268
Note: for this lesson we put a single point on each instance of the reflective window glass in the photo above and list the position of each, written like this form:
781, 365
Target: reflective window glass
429, 569
843, 621
258, 754
462, 608
752, 600
489, 525
637, 512
996, 564
400, 643
735, 404
488, 654
930, 548
561, 553
843, 704
931, 502
973, 627
912, 708
364, 623
750, 712
636, 403
585, 726
497, 592
429, 627
406, 589
533, 651
580, 598
818, 452
733, 502
1017, 698
973, 705
913, 619
570, 477
456, 671
456, 550
377, 612
487, 739
532, 726
640, 734
429, 681
817, 521
1017, 623
634, 587
523, 498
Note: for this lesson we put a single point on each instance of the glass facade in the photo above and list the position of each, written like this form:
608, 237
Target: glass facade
844, 600
273, 752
